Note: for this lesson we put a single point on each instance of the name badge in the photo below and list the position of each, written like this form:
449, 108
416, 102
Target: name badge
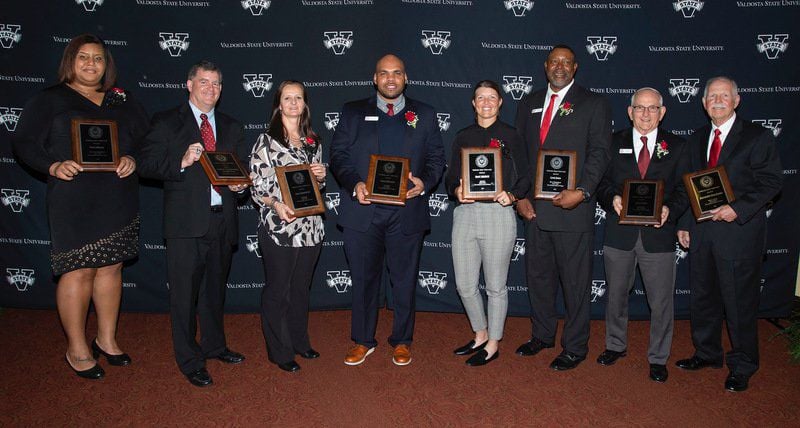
626, 151
536, 110
370, 118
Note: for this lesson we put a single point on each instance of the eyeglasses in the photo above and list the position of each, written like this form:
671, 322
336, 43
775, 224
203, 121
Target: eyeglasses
651, 109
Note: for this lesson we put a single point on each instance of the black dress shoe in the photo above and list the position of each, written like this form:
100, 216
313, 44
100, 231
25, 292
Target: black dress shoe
658, 372
566, 361
95, 372
291, 366
609, 357
697, 363
114, 360
532, 347
309, 355
200, 378
736, 383
469, 348
479, 359
230, 357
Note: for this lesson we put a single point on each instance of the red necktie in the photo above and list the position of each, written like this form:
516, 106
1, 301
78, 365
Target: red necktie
390, 109
644, 158
716, 147
546, 120
208, 139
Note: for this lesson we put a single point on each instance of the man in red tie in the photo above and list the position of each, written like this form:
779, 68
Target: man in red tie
642, 152
200, 220
560, 232
725, 253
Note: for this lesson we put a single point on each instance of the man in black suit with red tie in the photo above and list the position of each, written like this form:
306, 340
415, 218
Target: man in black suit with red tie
200, 220
560, 233
643, 152
725, 253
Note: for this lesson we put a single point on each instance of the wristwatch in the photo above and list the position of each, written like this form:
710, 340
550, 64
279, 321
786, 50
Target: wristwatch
586, 195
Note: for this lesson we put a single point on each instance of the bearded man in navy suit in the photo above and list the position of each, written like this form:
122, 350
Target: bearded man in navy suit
387, 123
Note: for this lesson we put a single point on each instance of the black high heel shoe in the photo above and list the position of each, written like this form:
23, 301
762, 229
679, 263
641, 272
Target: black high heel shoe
114, 360
95, 372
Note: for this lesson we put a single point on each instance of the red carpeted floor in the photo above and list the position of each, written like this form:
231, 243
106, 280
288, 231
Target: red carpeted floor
437, 389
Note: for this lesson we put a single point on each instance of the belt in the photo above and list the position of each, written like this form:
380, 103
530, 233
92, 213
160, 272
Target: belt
216, 208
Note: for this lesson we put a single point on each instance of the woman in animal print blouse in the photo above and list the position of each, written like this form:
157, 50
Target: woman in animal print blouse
290, 245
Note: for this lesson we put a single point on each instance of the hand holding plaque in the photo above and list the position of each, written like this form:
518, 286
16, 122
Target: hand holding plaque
387, 182
95, 144
224, 169
555, 171
481, 172
300, 190
641, 202
708, 189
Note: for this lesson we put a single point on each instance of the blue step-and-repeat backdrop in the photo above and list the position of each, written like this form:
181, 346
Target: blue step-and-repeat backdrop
447, 45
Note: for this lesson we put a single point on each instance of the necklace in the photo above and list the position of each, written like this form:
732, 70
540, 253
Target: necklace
84, 93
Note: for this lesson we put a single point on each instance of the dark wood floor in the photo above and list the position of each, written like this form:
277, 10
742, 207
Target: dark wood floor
437, 389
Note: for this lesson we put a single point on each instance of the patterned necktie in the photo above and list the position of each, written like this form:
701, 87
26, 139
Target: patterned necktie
209, 141
716, 147
207, 134
390, 109
644, 158
548, 114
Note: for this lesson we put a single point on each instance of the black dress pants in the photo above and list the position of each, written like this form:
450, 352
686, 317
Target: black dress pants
284, 299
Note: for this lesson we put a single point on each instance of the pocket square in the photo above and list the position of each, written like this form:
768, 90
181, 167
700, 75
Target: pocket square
370, 118
536, 110
625, 151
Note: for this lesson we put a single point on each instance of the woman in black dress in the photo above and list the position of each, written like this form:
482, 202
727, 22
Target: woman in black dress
93, 216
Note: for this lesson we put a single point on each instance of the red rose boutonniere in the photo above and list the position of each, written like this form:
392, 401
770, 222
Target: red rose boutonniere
495, 143
662, 149
310, 146
411, 119
116, 96
565, 109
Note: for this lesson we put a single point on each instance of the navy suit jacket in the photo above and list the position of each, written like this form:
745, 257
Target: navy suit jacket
587, 130
751, 162
187, 194
669, 168
356, 139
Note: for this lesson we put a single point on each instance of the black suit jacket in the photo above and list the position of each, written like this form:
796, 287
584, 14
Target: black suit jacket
187, 194
669, 168
587, 130
356, 139
751, 161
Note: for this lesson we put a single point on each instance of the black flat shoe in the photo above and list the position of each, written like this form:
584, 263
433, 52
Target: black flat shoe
736, 383
290, 367
309, 355
566, 361
532, 347
479, 359
469, 348
200, 378
95, 372
658, 373
230, 357
114, 360
697, 363
609, 357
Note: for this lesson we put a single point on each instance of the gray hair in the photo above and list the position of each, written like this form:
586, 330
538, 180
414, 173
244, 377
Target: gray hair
718, 79
647, 88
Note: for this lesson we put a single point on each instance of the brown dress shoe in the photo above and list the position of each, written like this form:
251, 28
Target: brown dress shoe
357, 354
401, 355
